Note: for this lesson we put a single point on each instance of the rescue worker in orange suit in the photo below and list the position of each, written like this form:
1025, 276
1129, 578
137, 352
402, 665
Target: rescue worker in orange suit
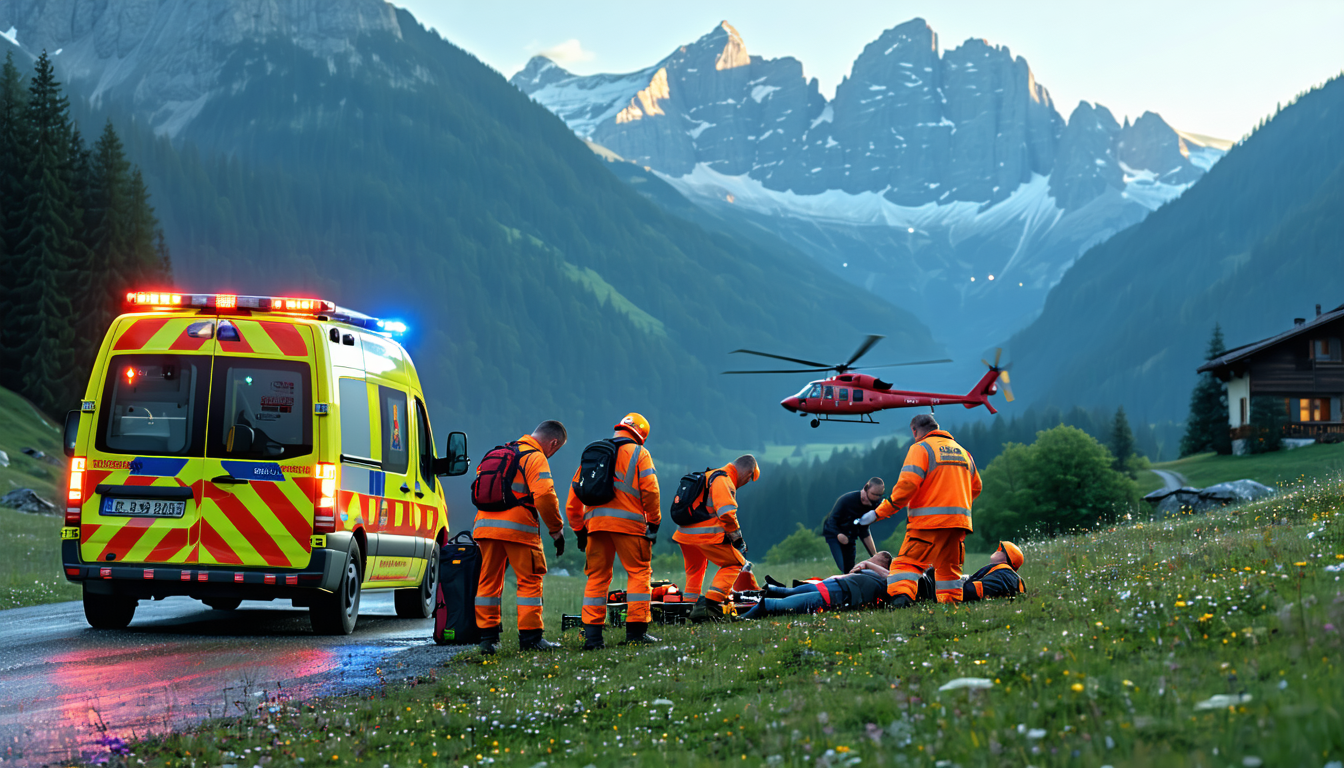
998, 579
716, 540
937, 485
513, 538
624, 527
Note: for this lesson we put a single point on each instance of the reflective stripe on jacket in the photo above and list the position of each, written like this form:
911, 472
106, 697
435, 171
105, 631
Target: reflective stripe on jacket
722, 504
637, 500
523, 523
938, 483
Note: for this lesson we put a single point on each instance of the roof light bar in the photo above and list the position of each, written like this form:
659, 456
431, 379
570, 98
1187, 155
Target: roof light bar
142, 299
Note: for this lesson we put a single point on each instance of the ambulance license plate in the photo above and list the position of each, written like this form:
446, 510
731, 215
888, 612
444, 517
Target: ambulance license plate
143, 508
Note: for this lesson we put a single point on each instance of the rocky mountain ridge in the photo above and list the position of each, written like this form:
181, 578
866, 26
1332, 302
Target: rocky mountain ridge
939, 179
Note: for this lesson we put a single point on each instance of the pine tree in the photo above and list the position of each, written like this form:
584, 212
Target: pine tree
1207, 426
145, 260
1266, 421
108, 219
1122, 442
14, 152
42, 313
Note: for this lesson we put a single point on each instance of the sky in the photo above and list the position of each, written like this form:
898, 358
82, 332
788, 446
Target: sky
1213, 68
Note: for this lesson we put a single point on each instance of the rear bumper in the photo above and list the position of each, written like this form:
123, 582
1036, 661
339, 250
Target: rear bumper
159, 580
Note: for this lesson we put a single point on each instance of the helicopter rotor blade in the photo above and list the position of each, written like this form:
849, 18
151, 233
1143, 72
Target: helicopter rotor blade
998, 353
862, 350
781, 357
897, 365
796, 370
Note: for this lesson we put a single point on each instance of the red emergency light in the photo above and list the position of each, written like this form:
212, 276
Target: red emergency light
228, 302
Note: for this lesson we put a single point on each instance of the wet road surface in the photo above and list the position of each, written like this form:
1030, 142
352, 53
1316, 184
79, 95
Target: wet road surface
63, 685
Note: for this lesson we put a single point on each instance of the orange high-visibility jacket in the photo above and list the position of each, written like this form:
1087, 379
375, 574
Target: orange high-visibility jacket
523, 522
938, 482
636, 502
722, 503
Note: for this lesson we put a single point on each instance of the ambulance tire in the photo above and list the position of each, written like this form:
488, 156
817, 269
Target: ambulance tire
418, 603
108, 611
336, 613
223, 603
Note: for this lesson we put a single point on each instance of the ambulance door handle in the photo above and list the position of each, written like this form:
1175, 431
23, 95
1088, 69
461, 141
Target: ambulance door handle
405, 488
228, 480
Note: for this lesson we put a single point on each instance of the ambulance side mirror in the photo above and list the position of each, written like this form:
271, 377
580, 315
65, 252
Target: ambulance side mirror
457, 461
241, 438
71, 437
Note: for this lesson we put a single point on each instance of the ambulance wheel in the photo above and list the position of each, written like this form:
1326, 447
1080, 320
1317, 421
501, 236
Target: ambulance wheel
108, 611
335, 613
816, 423
418, 603
223, 603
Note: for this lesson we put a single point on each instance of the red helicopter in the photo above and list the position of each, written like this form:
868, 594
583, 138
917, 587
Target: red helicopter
859, 395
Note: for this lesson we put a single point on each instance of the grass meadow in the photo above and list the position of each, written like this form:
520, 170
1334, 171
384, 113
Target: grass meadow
1198, 641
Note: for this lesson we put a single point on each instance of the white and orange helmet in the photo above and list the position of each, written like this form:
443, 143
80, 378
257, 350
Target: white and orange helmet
636, 425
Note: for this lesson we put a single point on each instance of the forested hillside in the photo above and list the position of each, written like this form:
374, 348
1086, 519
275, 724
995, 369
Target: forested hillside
535, 283
1252, 246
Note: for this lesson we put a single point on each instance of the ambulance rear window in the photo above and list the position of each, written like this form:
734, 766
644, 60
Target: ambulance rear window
154, 405
273, 397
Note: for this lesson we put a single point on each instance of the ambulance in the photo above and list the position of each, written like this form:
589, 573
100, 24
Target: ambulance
234, 448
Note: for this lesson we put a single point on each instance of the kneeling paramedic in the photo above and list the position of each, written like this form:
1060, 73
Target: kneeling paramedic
515, 479
998, 579
613, 509
711, 534
938, 483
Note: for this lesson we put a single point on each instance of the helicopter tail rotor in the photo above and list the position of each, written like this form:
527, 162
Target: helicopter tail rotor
1002, 371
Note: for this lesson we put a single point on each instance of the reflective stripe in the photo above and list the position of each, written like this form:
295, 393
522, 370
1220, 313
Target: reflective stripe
702, 531
530, 601
895, 577
631, 597
689, 596
948, 584
626, 481
602, 601
544, 476
609, 512
914, 468
926, 511
489, 600
649, 471
727, 508
491, 523
933, 462
520, 487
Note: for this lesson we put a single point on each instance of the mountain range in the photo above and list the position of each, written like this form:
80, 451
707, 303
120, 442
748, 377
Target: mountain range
341, 149
939, 180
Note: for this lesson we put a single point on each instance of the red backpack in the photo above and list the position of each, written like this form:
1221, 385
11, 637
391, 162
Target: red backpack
492, 490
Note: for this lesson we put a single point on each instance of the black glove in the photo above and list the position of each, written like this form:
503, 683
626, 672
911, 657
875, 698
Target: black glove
651, 532
739, 543
559, 544
581, 537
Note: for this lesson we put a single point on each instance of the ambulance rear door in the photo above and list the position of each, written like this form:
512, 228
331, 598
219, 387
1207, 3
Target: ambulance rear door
143, 463
260, 446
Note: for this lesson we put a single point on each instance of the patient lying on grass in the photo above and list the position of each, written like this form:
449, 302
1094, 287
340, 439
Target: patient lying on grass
863, 587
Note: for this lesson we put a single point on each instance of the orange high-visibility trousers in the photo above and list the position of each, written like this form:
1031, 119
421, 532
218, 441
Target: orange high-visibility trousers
636, 554
698, 557
943, 548
528, 563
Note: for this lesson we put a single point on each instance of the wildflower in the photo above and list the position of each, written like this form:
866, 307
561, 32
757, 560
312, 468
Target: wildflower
1077, 687
966, 682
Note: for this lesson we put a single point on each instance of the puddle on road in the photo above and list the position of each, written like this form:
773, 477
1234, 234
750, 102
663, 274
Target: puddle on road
101, 693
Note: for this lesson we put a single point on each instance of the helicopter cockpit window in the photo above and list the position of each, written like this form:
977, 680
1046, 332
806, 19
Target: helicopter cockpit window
830, 393
815, 391
844, 394
858, 395
805, 393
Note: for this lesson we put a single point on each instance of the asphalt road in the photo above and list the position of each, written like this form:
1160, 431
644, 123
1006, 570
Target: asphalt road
64, 685
1171, 481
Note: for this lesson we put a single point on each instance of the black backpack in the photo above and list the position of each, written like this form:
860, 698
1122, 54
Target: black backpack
492, 490
455, 599
597, 472
694, 486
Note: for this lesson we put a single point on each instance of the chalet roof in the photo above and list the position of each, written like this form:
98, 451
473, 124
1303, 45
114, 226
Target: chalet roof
1246, 350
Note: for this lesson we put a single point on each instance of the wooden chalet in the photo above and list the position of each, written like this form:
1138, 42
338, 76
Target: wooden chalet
1304, 366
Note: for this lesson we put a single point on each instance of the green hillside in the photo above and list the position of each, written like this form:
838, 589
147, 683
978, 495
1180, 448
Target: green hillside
536, 284
23, 426
1251, 246
1323, 463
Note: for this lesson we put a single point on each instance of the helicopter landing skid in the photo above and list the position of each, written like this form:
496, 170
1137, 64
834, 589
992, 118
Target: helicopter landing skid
864, 418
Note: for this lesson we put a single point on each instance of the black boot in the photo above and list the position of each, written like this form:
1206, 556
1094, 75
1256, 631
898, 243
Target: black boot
706, 610
489, 641
531, 640
900, 601
773, 582
592, 637
637, 633
928, 586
